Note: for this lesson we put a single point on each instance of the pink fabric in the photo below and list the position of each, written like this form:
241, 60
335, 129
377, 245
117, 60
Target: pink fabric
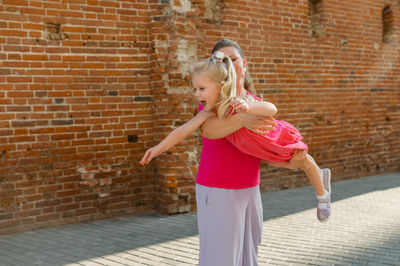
234, 161
222, 165
277, 146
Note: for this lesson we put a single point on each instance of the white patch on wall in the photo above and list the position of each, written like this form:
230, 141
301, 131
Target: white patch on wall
213, 11
183, 7
187, 55
192, 156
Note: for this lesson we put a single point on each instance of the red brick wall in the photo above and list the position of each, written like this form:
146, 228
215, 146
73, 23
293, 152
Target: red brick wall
87, 86
75, 100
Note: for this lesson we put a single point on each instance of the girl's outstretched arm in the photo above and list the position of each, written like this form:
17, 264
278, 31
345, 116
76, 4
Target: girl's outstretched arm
177, 135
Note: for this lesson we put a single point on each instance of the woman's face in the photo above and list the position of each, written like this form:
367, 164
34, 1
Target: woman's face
239, 63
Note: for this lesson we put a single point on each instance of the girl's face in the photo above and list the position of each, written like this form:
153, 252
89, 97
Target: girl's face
206, 91
239, 63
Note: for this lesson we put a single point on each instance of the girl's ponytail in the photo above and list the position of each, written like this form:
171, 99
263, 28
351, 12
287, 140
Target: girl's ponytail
228, 89
219, 68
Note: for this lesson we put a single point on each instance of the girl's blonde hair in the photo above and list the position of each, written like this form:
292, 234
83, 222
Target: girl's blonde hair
219, 69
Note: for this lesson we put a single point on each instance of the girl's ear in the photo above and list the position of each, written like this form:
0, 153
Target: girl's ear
222, 83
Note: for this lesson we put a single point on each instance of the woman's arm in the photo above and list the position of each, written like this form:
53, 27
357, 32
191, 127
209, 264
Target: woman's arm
215, 128
177, 135
281, 164
256, 116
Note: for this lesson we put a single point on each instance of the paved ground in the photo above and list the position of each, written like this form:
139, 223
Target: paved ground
363, 230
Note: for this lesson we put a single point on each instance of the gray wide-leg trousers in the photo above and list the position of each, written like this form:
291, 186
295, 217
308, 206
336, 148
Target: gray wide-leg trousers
230, 225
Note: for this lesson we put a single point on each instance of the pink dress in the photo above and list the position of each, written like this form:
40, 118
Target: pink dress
276, 146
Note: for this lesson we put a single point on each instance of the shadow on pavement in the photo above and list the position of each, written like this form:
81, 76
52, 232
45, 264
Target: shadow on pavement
79, 242
281, 203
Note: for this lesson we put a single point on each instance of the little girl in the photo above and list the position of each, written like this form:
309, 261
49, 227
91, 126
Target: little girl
214, 86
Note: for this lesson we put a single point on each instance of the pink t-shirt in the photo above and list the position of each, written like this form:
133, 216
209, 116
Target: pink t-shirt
222, 165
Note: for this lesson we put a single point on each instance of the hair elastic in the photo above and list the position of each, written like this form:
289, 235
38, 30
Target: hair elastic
218, 56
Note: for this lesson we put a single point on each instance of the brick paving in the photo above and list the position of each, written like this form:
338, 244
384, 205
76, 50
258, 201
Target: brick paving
364, 229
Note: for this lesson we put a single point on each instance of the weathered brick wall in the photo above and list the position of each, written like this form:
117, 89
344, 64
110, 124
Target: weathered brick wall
75, 97
332, 69
87, 86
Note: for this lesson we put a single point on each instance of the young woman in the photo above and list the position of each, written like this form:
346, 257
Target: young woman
234, 216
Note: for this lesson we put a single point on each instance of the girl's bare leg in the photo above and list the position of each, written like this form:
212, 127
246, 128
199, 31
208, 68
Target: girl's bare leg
313, 172
301, 159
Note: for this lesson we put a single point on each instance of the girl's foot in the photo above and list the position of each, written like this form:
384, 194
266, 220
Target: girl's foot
324, 201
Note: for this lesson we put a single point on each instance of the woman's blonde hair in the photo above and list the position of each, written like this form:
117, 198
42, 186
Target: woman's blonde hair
219, 69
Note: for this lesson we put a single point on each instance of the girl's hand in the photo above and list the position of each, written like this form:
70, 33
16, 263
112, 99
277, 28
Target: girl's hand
150, 154
239, 105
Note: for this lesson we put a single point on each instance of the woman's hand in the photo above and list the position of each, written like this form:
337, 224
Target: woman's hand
296, 162
298, 159
258, 124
